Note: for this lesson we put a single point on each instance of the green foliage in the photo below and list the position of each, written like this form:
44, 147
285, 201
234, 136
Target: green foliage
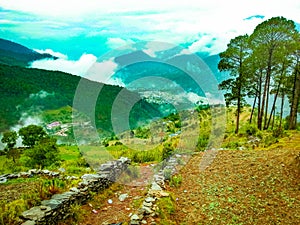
251, 129
166, 208
10, 211
202, 141
63, 114
12, 53
142, 132
168, 149
25, 87
44, 153
176, 180
32, 134
75, 213
10, 139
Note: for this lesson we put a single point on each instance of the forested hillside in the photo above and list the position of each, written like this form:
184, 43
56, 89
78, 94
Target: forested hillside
12, 53
24, 90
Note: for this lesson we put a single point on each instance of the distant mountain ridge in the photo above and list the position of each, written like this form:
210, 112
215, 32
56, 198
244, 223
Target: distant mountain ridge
27, 91
15, 54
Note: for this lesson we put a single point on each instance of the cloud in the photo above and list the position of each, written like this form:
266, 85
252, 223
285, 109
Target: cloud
75, 67
114, 43
102, 71
40, 95
51, 52
167, 21
153, 47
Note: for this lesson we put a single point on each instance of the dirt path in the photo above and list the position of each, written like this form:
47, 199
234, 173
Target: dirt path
100, 211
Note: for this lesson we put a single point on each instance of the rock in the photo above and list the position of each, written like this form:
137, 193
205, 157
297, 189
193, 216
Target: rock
155, 187
150, 199
29, 222
52, 203
3, 180
134, 217
147, 204
74, 189
110, 201
62, 170
90, 177
122, 197
45, 172
147, 210
158, 194
144, 222
34, 213
94, 211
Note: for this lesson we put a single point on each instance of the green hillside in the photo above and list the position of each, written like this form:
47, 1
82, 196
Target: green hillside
33, 91
15, 54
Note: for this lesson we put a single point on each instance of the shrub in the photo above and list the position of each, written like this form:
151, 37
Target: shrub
167, 151
202, 142
10, 211
251, 129
176, 181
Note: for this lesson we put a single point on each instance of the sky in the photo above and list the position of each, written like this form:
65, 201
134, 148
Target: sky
81, 31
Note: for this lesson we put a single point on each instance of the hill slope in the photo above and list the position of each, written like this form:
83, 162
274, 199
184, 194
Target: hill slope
12, 53
26, 91
242, 187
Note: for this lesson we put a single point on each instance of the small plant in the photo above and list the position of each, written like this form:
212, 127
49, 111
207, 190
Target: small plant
166, 208
176, 180
10, 211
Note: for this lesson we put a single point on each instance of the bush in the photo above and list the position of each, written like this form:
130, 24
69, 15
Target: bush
176, 181
202, 142
251, 129
10, 211
167, 151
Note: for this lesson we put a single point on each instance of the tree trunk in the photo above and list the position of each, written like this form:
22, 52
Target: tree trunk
281, 110
238, 113
267, 102
259, 119
267, 86
272, 113
295, 99
253, 108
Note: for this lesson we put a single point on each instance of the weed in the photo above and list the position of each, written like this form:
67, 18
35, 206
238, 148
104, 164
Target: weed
176, 180
10, 211
166, 208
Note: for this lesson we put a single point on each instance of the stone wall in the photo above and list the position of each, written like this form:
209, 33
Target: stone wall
30, 173
58, 207
148, 209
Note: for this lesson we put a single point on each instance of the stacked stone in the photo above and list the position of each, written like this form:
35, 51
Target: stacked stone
148, 209
57, 208
30, 173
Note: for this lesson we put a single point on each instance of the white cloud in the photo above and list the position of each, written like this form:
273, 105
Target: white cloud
102, 71
166, 21
78, 67
152, 47
119, 43
51, 52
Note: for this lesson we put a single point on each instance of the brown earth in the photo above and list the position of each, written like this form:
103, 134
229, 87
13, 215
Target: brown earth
242, 187
232, 187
